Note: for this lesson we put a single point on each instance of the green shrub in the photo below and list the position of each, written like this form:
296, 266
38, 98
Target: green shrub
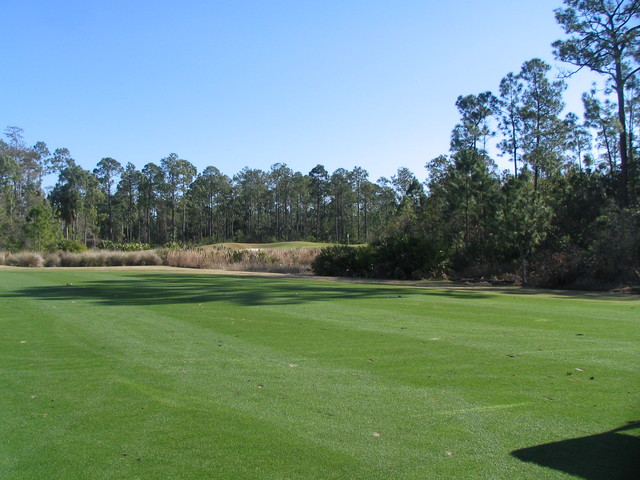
72, 246
399, 257
345, 261
409, 257
615, 253
108, 245
560, 269
123, 247
175, 246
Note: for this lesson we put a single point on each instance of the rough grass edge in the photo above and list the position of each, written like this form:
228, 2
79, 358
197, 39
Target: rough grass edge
93, 258
291, 261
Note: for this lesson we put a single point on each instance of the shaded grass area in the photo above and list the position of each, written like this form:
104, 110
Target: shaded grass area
606, 456
129, 374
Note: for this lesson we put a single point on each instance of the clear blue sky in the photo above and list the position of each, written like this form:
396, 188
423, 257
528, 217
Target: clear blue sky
235, 83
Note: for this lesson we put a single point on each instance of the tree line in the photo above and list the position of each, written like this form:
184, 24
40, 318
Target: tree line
169, 201
568, 206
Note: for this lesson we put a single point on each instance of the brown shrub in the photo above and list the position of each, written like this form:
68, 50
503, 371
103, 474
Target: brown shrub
189, 258
506, 278
147, 257
559, 269
94, 258
52, 260
102, 258
116, 259
25, 259
293, 261
68, 259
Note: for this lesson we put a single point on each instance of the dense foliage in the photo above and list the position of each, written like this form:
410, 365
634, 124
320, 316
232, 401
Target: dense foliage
402, 257
567, 211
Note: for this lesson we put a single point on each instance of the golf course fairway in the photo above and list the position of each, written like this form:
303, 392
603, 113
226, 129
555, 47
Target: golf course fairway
161, 373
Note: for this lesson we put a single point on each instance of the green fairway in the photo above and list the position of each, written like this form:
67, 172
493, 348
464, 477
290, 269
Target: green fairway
158, 374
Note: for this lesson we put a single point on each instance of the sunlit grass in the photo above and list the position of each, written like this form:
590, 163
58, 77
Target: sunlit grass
168, 374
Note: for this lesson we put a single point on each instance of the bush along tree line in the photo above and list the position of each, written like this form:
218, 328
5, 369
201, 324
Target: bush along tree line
567, 212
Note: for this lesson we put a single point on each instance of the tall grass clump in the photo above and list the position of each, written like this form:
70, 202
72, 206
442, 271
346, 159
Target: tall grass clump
146, 257
24, 259
293, 261
52, 260
102, 258
192, 258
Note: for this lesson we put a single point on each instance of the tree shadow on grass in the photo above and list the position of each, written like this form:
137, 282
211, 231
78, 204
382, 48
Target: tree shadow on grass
135, 288
610, 455
485, 288
159, 289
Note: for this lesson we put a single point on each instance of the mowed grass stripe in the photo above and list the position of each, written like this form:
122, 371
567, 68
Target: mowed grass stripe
160, 387
560, 339
263, 378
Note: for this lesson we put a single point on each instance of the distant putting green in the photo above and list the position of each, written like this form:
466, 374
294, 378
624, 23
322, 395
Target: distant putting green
158, 374
275, 245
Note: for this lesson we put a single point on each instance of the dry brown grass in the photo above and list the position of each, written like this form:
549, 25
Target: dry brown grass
23, 259
292, 261
93, 258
